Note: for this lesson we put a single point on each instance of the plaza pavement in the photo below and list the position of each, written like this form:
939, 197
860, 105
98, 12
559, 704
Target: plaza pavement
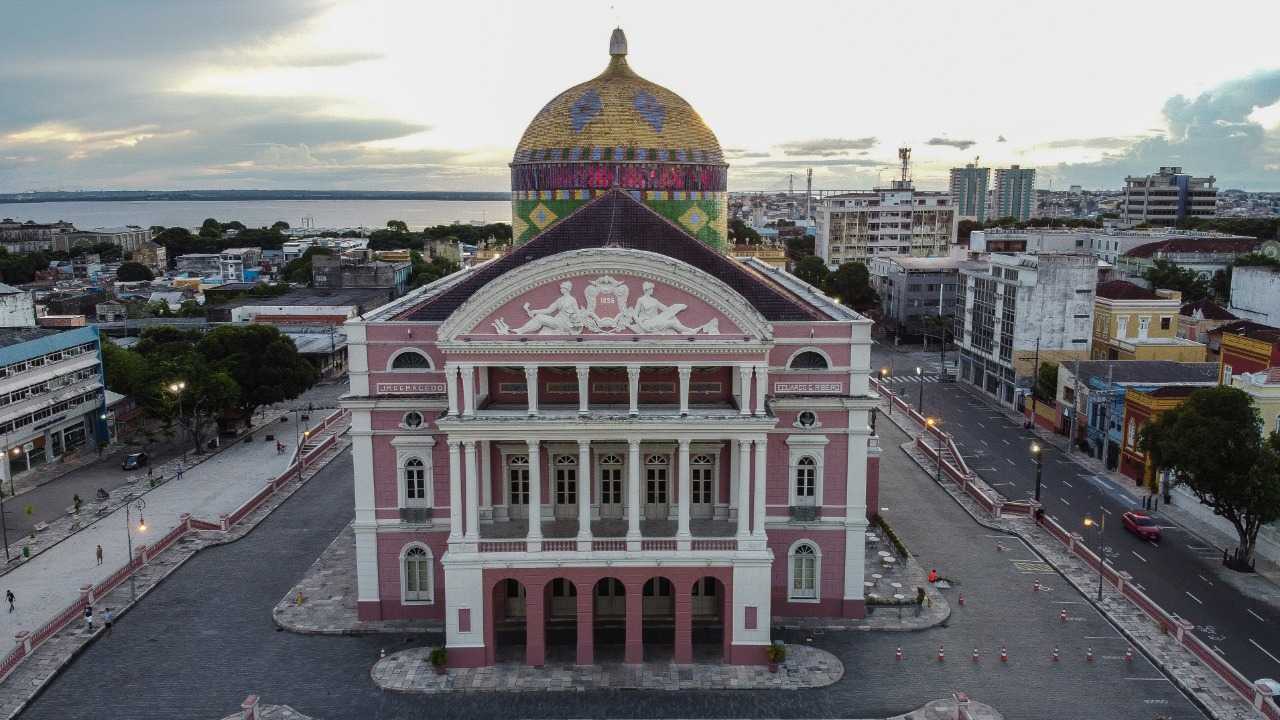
51, 580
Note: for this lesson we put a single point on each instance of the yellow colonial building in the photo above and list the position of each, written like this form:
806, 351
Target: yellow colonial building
1134, 323
1264, 388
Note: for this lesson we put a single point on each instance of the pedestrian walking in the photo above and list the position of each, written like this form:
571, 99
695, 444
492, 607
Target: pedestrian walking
76, 502
99, 553
88, 617
106, 621
8, 595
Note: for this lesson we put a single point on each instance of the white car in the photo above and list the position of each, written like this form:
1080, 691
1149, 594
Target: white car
1268, 686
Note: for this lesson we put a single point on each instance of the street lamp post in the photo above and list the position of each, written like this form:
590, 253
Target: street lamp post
176, 388
884, 376
1035, 454
1102, 525
920, 382
929, 424
141, 504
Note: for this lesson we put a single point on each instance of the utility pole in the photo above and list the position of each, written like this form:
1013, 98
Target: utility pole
1106, 419
1035, 380
1075, 404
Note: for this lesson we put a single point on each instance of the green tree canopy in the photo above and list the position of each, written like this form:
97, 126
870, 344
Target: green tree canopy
134, 272
741, 233
812, 270
427, 272
397, 226
1165, 275
851, 284
1046, 387
263, 362
1235, 474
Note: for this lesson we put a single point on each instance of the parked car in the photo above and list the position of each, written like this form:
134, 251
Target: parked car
1142, 525
134, 461
1268, 686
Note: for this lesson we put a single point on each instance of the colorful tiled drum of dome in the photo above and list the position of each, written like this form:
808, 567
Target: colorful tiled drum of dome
620, 130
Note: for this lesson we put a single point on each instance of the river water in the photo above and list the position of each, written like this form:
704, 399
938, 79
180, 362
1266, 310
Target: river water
321, 214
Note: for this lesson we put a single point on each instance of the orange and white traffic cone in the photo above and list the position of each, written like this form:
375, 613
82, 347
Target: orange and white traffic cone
1088, 656
961, 599
1055, 653
941, 655
1036, 586
975, 654
898, 655
1128, 655
1062, 616
1004, 654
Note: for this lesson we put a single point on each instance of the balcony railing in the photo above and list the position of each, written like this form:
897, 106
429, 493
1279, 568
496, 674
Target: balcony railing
610, 545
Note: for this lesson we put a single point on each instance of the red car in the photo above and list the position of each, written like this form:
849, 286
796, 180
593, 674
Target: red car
1142, 526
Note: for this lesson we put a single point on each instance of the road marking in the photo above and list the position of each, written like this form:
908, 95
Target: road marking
984, 442
1006, 442
1011, 462
981, 425
1139, 586
1154, 678
1103, 637
1135, 554
1264, 652
1219, 651
1211, 582
1106, 511
1257, 615
1064, 501
1069, 602
1193, 597
1064, 482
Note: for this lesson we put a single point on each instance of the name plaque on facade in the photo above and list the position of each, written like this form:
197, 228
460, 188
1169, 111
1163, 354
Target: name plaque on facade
430, 388
806, 387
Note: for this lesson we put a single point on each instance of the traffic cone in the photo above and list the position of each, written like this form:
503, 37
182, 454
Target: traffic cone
1128, 655
898, 655
1062, 616
1036, 586
1088, 656
1055, 653
941, 656
382, 653
975, 654
961, 599
1004, 654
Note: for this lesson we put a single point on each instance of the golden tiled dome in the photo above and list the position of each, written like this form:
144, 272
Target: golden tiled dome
618, 113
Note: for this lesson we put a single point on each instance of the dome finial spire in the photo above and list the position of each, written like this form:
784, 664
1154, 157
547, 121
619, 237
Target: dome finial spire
618, 43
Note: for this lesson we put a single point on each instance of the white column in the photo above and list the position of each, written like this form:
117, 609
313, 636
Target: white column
633, 490
744, 390
468, 389
535, 497
531, 382
733, 479
685, 371
584, 373
633, 388
682, 519
451, 388
584, 494
762, 444
486, 481
366, 521
744, 488
473, 492
762, 387
455, 491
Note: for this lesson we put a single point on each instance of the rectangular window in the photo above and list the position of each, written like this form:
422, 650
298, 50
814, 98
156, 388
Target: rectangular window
1166, 323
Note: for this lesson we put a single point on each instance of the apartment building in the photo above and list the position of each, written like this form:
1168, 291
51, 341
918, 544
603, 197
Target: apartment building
240, 264
1131, 322
914, 291
1013, 194
895, 220
969, 186
1167, 197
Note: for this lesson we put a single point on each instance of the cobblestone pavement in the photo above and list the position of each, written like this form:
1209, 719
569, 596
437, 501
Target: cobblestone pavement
209, 627
272, 712
409, 671
328, 591
34, 672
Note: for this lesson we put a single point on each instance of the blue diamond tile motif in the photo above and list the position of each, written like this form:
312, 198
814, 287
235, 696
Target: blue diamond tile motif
651, 110
584, 110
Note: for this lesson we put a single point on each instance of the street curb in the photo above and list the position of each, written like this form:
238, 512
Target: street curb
284, 498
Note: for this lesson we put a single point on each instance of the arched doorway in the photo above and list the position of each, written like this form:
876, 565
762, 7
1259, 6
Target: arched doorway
561, 620
658, 609
510, 628
709, 606
609, 619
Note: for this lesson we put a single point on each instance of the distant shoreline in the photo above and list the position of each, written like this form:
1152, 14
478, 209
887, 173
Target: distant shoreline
243, 196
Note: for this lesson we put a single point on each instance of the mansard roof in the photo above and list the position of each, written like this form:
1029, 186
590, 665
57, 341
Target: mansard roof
616, 219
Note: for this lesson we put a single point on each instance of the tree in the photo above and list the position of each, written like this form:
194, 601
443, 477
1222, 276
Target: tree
427, 272
280, 226
263, 362
1167, 276
812, 270
851, 284
299, 270
397, 226
741, 234
1235, 474
1046, 388
134, 272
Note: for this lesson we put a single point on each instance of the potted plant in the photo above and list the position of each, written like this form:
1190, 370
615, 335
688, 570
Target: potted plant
439, 657
775, 653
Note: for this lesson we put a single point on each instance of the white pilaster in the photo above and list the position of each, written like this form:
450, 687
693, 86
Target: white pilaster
682, 519
584, 495
473, 492
468, 389
486, 481
684, 371
535, 497
733, 479
451, 388
455, 491
855, 519
366, 522
584, 373
762, 448
633, 389
531, 382
744, 488
762, 387
744, 390
633, 492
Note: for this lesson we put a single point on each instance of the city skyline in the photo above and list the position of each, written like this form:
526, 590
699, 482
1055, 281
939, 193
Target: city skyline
302, 94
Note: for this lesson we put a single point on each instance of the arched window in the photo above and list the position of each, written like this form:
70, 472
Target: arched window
806, 478
803, 571
417, 578
809, 360
415, 482
410, 360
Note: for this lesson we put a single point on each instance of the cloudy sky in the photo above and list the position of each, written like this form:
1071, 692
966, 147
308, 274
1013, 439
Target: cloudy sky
384, 94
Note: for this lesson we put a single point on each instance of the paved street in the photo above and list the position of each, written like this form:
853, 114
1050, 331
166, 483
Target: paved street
1183, 572
209, 627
